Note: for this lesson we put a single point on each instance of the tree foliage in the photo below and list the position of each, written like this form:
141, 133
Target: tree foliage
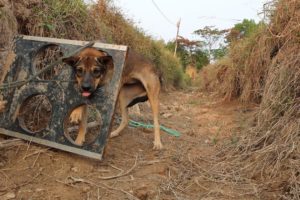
220, 52
212, 38
189, 52
241, 30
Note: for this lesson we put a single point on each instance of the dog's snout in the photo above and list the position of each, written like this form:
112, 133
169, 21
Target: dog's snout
86, 87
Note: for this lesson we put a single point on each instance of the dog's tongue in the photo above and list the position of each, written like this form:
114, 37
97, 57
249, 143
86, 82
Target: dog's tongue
86, 94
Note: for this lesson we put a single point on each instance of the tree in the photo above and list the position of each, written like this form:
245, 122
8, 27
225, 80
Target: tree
181, 53
189, 52
220, 52
242, 30
199, 58
212, 38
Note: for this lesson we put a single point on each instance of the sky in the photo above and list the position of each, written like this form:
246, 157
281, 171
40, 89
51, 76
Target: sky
158, 18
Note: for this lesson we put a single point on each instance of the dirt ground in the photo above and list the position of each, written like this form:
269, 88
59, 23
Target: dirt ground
131, 169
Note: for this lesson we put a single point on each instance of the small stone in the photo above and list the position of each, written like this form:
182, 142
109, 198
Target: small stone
167, 115
86, 188
9, 195
2, 164
39, 190
203, 111
74, 169
142, 193
178, 108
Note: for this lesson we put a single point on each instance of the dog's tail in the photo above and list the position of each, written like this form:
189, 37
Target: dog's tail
160, 76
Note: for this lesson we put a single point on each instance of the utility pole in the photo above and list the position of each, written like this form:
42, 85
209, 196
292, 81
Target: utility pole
176, 42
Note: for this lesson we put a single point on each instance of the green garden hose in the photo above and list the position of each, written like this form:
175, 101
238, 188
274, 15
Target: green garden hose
163, 128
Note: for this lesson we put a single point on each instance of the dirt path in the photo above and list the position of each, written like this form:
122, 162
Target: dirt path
132, 169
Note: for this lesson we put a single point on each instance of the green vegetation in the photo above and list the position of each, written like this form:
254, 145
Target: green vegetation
212, 41
74, 19
189, 53
243, 30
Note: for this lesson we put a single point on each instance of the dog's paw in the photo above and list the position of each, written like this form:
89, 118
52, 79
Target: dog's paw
114, 134
75, 116
157, 145
79, 141
2, 105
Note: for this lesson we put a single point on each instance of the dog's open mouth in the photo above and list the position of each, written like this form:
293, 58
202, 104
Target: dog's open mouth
86, 94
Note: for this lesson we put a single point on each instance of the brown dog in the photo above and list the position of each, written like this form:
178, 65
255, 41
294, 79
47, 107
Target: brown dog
140, 82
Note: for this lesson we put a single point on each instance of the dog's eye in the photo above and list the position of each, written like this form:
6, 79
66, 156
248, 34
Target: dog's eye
79, 71
97, 72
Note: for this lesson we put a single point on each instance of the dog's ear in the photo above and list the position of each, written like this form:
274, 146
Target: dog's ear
72, 61
105, 60
108, 62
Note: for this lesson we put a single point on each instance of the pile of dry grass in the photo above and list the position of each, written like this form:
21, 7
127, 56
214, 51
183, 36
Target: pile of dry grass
266, 161
242, 73
8, 29
213, 75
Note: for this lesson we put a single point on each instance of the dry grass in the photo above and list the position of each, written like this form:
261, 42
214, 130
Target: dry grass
102, 20
265, 163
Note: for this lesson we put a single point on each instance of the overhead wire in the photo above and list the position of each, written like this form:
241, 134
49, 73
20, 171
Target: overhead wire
218, 18
162, 13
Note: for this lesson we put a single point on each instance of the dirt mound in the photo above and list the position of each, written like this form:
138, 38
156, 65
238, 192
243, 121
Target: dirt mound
8, 29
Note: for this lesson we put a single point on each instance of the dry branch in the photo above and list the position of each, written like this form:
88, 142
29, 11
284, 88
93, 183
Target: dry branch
90, 125
121, 174
72, 180
9, 143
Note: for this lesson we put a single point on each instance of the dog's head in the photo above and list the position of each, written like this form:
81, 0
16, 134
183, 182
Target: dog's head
93, 68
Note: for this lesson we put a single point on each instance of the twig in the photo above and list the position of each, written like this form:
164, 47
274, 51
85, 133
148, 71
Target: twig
36, 159
117, 168
36, 152
121, 173
28, 146
100, 185
28, 182
4, 174
59, 181
150, 162
197, 182
89, 125
6, 180
9, 143
98, 194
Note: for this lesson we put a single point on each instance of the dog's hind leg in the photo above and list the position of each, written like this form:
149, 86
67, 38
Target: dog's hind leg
152, 86
153, 98
129, 95
123, 102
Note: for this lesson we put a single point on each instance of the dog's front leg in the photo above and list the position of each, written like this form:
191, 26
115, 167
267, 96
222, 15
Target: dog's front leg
82, 126
76, 115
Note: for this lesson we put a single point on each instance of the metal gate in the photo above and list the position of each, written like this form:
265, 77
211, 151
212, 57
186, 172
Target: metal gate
39, 110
